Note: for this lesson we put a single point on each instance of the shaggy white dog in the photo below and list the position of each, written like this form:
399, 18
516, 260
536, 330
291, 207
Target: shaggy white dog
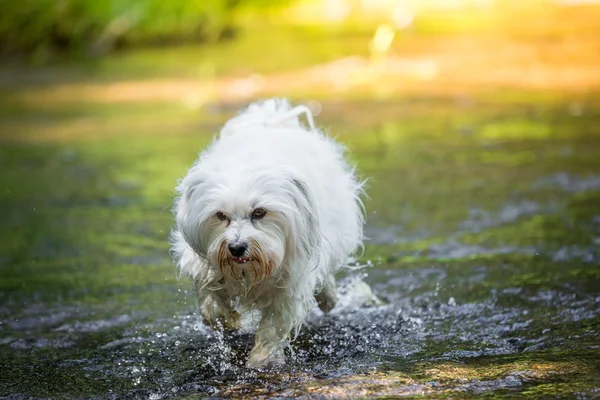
265, 217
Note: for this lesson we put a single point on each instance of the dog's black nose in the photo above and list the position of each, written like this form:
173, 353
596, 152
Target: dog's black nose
237, 249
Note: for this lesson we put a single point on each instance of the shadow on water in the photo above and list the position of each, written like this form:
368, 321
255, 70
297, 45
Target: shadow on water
484, 226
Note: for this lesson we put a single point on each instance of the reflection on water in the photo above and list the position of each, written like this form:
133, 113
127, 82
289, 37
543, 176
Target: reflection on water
483, 247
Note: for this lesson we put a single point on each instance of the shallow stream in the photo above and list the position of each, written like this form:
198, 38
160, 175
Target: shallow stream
484, 243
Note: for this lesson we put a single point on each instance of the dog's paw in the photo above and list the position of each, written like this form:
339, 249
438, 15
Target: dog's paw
264, 357
327, 299
220, 318
227, 322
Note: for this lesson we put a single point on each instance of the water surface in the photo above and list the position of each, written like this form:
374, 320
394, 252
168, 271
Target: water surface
484, 243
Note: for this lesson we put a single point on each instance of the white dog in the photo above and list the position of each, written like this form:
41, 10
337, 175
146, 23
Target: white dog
265, 217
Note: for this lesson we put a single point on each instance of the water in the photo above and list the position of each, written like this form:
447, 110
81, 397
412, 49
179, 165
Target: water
484, 226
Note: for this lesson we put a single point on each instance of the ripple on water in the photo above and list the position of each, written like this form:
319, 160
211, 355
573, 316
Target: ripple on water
153, 355
570, 183
96, 326
40, 343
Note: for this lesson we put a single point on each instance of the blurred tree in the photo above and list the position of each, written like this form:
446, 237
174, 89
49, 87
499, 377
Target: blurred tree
44, 27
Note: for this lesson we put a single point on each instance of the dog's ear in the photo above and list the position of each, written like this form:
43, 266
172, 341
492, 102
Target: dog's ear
307, 222
191, 186
184, 192
189, 222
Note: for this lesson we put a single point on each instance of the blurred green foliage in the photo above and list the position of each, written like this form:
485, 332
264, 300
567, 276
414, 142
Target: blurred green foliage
43, 27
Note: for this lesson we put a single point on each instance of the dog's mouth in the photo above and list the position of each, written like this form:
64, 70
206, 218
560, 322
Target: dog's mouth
242, 260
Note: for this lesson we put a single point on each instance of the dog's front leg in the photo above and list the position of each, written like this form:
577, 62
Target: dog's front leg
218, 314
271, 337
216, 309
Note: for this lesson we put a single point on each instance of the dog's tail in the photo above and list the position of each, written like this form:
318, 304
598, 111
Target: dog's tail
271, 113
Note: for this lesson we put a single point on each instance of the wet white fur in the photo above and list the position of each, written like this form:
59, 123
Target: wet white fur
264, 157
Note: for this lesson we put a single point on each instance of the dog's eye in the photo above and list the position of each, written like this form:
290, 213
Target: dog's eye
221, 216
259, 213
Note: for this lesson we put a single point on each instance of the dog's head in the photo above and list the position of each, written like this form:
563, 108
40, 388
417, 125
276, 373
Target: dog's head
248, 226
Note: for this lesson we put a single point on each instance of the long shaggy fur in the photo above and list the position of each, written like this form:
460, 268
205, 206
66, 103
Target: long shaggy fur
265, 158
